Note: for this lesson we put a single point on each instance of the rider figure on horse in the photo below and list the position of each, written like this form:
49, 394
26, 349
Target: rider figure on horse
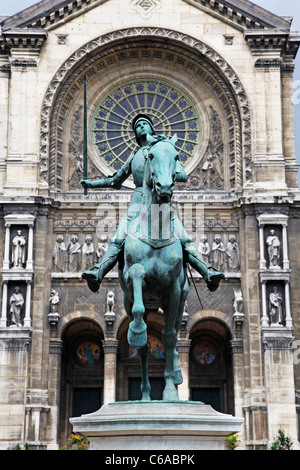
142, 125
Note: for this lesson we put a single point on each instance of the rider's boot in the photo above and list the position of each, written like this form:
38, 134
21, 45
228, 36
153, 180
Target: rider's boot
95, 275
194, 258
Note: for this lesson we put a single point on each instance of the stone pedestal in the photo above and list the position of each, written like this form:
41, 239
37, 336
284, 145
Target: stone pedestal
157, 425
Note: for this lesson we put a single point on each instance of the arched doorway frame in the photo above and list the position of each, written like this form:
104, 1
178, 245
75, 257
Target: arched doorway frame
74, 377
217, 377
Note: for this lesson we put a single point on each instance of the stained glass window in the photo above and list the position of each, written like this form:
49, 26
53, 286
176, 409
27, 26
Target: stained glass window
205, 352
88, 353
171, 110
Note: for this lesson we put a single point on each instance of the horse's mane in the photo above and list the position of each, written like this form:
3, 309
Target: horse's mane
159, 138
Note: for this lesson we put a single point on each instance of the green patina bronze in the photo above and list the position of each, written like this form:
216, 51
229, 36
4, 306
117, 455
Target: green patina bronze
153, 250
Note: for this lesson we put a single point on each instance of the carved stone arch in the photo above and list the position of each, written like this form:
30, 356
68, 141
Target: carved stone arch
196, 59
214, 315
77, 316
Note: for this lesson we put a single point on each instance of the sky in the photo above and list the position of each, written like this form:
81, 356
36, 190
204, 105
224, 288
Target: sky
279, 7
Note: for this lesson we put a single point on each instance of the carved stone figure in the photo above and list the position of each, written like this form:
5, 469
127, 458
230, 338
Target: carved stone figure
60, 255
273, 243
54, 301
74, 251
110, 302
16, 303
18, 250
276, 308
204, 248
233, 254
218, 251
88, 251
238, 303
102, 247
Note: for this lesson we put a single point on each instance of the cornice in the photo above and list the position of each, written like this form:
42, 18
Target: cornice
241, 14
22, 39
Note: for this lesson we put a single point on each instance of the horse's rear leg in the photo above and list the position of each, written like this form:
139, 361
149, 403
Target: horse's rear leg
145, 385
137, 332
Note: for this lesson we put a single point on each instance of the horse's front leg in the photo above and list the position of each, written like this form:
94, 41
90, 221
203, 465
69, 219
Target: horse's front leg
169, 337
137, 332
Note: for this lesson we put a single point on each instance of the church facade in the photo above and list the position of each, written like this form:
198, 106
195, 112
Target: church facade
219, 74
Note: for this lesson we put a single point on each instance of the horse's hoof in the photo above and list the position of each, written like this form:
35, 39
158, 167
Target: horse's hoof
178, 377
137, 338
214, 281
170, 394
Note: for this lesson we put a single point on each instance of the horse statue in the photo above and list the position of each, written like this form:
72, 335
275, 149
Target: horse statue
153, 273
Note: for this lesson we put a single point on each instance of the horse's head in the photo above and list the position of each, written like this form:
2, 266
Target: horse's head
162, 161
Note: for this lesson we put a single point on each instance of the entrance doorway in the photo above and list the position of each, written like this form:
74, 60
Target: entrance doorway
82, 374
86, 400
211, 369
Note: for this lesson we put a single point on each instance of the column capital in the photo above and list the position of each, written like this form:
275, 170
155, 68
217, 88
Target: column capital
110, 346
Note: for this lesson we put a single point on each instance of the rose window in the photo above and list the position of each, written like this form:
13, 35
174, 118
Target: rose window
171, 110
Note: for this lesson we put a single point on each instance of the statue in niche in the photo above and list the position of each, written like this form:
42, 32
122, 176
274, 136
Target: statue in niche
16, 303
88, 251
59, 255
102, 247
74, 251
18, 250
273, 243
54, 301
238, 303
276, 308
211, 171
204, 248
233, 254
218, 251
110, 302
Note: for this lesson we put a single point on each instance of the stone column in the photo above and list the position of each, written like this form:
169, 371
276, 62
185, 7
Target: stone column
279, 381
291, 166
110, 348
4, 109
3, 320
27, 318
183, 348
55, 353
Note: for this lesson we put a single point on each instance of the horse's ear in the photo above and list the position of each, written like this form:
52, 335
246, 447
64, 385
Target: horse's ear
174, 139
150, 138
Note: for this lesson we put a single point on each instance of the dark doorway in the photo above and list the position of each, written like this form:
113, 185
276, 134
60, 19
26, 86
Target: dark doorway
86, 400
134, 388
208, 396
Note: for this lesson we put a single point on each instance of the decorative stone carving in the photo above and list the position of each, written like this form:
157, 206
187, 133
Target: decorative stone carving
204, 248
88, 251
218, 252
53, 315
110, 315
233, 254
110, 302
18, 250
102, 247
276, 308
59, 255
74, 253
273, 243
16, 303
